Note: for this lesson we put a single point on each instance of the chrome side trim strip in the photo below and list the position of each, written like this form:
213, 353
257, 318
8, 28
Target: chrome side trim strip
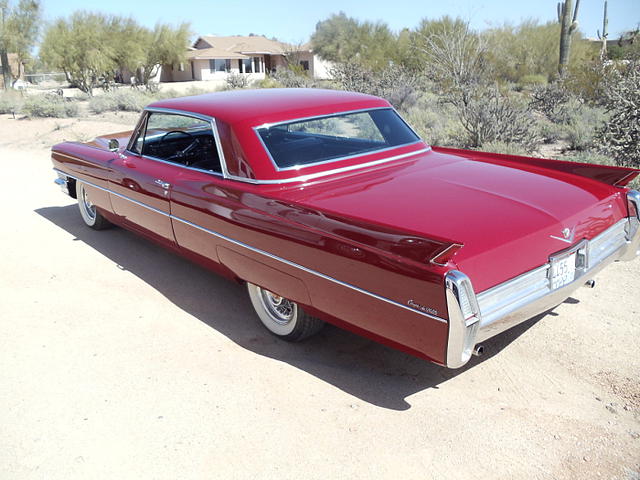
262, 252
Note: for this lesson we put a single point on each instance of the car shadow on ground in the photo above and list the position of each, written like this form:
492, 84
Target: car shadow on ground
365, 369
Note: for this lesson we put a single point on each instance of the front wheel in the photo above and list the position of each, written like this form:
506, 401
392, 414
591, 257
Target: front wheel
282, 317
90, 215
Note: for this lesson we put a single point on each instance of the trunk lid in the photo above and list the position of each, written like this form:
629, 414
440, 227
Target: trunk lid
509, 218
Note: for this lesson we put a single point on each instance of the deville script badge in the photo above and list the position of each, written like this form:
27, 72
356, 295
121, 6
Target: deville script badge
422, 308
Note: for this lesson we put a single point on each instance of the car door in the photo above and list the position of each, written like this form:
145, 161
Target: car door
142, 178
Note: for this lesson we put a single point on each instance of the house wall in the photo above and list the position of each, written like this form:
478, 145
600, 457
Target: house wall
321, 68
203, 70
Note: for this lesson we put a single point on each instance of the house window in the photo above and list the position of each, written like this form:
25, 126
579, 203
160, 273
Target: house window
247, 65
220, 65
256, 65
181, 67
305, 65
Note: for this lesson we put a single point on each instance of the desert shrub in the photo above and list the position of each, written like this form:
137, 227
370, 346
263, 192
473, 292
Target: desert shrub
488, 115
122, 100
291, 79
504, 147
552, 101
237, 80
10, 102
620, 136
582, 125
436, 123
532, 80
49, 106
548, 131
267, 82
394, 83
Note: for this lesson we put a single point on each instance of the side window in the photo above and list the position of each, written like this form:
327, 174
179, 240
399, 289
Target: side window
179, 139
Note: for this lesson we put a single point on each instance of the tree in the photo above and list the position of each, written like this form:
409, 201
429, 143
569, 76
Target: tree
82, 47
164, 45
90, 48
18, 33
344, 39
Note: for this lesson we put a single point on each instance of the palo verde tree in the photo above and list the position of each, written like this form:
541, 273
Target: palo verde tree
91, 47
164, 45
18, 33
81, 47
343, 39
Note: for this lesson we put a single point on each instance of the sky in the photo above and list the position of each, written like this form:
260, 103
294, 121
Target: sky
294, 21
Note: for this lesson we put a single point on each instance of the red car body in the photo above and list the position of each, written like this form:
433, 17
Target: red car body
430, 250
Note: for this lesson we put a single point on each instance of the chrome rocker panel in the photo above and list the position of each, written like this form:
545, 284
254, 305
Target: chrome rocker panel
514, 301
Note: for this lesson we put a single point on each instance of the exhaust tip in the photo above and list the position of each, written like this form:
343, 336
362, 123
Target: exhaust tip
478, 350
590, 283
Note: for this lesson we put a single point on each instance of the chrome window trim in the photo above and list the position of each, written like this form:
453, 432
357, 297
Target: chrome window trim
315, 117
312, 176
336, 159
206, 118
259, 251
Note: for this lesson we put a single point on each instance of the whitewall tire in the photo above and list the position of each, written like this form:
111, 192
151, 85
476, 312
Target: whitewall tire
88, 211
282, 317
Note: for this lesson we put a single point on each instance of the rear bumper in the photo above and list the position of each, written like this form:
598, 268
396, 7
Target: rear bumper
516, 300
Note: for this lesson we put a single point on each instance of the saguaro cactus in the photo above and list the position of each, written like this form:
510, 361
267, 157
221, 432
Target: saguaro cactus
605, 33
568, 18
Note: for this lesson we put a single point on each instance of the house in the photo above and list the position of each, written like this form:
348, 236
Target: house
215, 58
17, 68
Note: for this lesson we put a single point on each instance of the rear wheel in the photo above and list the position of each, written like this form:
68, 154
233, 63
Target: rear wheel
282, 317
88, 211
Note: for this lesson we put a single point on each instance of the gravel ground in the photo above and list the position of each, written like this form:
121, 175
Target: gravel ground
119, 360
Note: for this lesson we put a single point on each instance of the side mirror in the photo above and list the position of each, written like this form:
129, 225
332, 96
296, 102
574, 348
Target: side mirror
114, 145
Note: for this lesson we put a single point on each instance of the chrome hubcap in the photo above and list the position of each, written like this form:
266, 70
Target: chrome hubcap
280, 309
88, 206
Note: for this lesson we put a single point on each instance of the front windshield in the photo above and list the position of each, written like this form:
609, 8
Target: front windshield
317, 140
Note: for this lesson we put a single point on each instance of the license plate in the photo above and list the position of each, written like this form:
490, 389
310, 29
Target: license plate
563, 271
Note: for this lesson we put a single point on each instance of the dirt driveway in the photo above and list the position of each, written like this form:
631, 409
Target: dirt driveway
119, 360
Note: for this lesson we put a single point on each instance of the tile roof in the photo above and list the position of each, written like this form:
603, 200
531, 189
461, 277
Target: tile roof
245, 44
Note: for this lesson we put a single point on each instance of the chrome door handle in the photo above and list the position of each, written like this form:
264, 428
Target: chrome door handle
163, 184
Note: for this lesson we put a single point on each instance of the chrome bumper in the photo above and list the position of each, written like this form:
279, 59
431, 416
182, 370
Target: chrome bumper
510, 303
62, 182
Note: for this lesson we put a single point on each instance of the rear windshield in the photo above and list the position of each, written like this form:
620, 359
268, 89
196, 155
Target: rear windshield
316, 140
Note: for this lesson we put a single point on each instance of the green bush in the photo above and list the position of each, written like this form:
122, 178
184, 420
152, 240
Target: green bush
436, 123
10, 102
267, 82
533, 79
548, 131
50, 106
123, 100
506, 148
583, 123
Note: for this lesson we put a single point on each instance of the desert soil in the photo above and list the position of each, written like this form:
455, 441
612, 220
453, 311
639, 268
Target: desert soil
119, 360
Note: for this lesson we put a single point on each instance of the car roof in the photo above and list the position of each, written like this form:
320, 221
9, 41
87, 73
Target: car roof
259, 106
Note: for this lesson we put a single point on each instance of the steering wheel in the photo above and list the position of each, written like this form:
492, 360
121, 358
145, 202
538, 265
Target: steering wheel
185, 151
